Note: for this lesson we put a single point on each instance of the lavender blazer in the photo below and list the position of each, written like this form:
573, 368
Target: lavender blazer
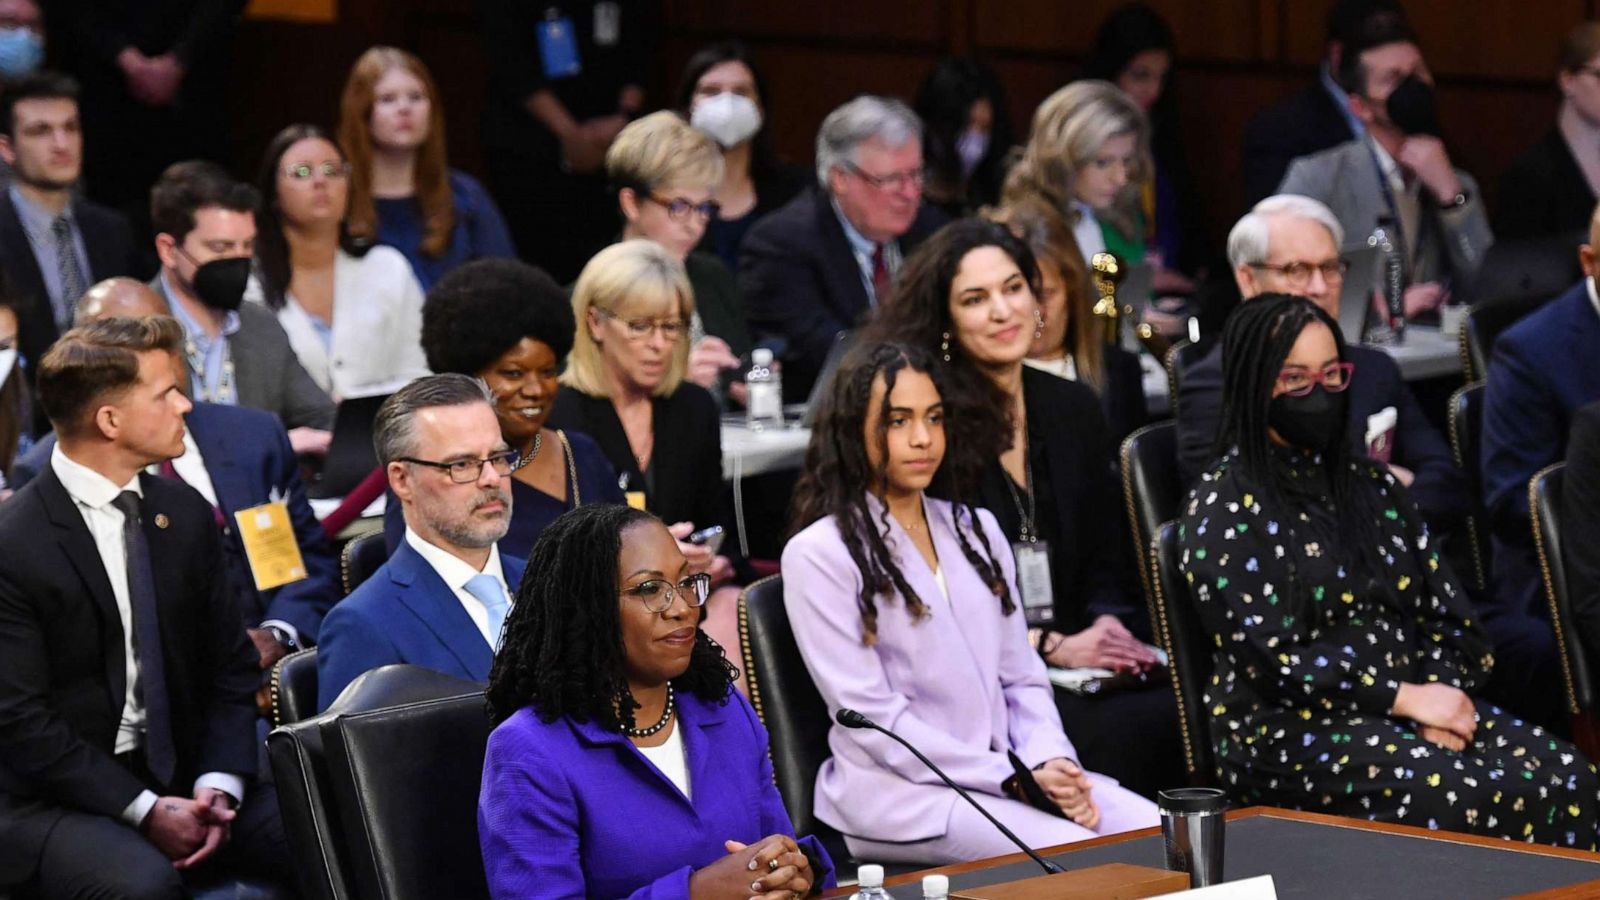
570, 809
963, 685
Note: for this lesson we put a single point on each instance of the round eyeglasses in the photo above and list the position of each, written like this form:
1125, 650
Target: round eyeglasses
657, 594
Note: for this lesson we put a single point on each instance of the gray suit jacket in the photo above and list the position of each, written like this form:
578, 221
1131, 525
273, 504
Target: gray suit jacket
267, 373
1346, 179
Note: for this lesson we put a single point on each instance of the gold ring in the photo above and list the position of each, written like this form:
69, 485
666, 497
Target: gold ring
772, 864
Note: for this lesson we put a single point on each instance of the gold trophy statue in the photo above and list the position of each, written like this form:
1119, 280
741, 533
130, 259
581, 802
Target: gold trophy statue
1108, 273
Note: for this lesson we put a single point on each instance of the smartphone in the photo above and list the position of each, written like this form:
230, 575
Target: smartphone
710, 537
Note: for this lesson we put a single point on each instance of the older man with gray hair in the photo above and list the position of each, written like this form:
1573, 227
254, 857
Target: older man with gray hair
817, 266
1289, 244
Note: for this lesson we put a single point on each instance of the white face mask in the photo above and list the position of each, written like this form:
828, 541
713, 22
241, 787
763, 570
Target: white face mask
8, 361
971, 147
729, 118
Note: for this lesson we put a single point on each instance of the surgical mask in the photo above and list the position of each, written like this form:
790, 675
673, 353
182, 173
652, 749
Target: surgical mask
970, 148
220, 283
8, 361
21, 52
730, 119
1412, 107
1314, 421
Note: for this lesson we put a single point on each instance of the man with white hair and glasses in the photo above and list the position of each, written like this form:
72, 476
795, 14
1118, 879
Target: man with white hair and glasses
820, 264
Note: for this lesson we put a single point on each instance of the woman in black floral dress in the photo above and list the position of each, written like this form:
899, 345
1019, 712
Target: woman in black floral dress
1346, 657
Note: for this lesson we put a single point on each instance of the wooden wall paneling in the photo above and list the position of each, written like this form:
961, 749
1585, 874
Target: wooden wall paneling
835, 21
1217, 30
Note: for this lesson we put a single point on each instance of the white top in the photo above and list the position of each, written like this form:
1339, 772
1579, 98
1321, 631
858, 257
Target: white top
1090, 238
456, 573
1594, 298
191, 467
1065, 367
669, 758
938, 575
377, 326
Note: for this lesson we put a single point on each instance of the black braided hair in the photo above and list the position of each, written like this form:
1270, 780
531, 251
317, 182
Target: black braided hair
838, 475
562, 648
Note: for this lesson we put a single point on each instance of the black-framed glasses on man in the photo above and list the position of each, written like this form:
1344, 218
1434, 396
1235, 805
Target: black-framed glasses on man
1298, 273
466, 471
894, 181
679, 209
658, 594
307, 171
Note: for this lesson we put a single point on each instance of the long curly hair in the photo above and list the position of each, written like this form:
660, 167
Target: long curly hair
562, 648
838, 476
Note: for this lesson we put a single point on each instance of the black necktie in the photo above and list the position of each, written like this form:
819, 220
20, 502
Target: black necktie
151, 684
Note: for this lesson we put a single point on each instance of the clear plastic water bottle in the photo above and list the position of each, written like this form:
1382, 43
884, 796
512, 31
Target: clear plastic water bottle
869, 883
765, 408
935, 887
1391, 281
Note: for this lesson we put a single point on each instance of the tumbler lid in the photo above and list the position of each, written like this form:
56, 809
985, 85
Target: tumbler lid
1193, 800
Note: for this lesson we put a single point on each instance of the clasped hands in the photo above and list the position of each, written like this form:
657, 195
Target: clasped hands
188, 831
747, 872
1445, 715
1068, 787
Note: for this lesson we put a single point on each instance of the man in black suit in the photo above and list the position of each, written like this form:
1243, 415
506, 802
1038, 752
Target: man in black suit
53, 245
127, 718
818, 266
1317, 117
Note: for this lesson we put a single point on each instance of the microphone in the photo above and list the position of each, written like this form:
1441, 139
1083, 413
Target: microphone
849, 718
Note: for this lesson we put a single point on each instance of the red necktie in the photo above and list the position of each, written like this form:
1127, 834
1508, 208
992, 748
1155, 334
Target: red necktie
880, 276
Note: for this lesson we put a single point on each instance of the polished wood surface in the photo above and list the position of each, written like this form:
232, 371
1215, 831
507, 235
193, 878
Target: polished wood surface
1112, 881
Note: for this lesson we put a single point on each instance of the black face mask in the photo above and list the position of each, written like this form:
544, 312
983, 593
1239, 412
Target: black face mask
1412, 108
220, 283
1312, 422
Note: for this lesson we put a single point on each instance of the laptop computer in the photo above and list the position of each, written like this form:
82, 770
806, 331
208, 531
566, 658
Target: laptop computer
842, 343
1355, 297
351, 456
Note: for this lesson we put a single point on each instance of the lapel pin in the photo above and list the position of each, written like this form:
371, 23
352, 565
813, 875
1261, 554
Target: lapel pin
161, 520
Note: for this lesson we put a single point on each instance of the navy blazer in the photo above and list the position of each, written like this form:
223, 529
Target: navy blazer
1440, 490
562, 804
247, 454
404, 613
1542, 370
802, 286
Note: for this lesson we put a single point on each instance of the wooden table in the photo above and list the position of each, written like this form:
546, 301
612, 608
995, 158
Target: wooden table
1316, 856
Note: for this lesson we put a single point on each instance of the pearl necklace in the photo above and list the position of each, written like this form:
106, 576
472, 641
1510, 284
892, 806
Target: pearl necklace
666, 716
538, 441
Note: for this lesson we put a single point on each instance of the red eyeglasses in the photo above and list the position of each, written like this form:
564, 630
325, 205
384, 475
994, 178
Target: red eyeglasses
1298, 382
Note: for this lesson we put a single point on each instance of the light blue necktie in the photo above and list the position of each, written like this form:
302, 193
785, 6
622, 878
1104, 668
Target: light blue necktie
488, 590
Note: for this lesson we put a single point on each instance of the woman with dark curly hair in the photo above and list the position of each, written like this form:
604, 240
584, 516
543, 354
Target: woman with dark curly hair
508, 323
1034, 450
905, 609
615, 713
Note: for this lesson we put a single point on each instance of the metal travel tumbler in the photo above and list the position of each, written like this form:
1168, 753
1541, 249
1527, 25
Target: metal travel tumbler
1192, 829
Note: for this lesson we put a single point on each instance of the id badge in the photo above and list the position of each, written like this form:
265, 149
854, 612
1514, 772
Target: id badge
1033, 579
270, 545
558, 48
607, 23
635, 499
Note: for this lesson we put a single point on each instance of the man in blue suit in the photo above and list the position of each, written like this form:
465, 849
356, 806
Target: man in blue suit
441, 600
1543, 369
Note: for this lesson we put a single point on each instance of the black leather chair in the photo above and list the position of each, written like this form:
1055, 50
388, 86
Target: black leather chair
1179, 632
311, 817
1470, 563
293, 685
1544, 501
362, 555
1179, 357
1151, 490
411, 817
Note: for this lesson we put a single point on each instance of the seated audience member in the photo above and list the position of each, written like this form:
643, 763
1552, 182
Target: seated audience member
1087, 154
1318, 117
353, 312
441, 600
237, 355
1400, 171
1542, 370
16, 402
966, 135
1071, 344
240, 461
507, 323
593, 740
624, 386
1348, 662
722, 94
129, 724
1290, 244
53, 243
1580, 517
23, 24
882, 583
666, 174
1033, 449
403, 192
1551, 189
818, 266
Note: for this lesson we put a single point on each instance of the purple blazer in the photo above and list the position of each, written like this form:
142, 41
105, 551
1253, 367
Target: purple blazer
963, 685
570, 809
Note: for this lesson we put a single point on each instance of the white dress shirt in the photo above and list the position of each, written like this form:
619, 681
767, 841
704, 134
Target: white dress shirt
1090, 238
670, 758
191, 467
1594, 298
456, 573
93, 494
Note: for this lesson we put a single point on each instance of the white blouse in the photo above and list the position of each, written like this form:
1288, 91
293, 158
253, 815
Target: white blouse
670, 758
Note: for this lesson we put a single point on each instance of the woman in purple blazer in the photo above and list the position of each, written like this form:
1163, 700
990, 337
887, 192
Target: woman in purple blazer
905, 609
623, 764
